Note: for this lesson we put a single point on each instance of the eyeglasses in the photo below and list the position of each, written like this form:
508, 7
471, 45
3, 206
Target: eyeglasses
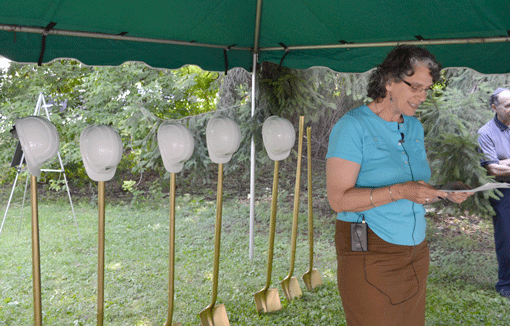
417, 89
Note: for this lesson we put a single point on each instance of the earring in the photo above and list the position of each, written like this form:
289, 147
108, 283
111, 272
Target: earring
391, 98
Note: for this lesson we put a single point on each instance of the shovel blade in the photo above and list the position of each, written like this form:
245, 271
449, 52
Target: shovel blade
215, 316
267, 300
291, 288
260, 300
312, 279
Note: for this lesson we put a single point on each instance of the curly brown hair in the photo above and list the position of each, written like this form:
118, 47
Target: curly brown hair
400, 62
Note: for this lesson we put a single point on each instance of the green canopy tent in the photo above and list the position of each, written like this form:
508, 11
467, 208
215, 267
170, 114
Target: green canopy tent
344, 35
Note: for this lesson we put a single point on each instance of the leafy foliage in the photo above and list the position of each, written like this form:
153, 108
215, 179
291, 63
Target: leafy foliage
451, 118
133, 98
320, 94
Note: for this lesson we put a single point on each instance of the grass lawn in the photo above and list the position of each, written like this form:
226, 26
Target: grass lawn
460, 287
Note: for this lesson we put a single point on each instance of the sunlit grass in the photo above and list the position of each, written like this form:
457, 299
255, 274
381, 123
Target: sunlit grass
136, 268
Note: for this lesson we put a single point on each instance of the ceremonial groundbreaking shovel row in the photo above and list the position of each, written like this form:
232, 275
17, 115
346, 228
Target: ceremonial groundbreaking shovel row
101, 150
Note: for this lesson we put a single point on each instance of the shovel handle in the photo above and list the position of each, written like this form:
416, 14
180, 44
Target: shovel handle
272, 224
171, 252
310, 201
296, 198
217, 236
100, 253
36, 260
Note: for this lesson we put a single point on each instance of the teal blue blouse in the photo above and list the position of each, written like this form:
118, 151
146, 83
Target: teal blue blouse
363, 137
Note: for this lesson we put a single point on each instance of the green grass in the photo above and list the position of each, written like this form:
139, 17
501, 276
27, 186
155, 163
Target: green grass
460, 287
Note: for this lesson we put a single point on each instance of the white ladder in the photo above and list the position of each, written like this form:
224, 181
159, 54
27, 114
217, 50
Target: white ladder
41, 103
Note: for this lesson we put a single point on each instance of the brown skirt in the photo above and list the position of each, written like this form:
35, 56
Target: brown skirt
383, 286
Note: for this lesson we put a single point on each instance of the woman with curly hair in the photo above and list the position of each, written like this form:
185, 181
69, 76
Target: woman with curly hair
377, 174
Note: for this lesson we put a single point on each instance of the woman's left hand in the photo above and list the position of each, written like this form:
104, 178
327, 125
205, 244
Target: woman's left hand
457, 197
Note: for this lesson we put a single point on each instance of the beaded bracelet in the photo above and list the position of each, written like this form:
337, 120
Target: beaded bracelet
371, 202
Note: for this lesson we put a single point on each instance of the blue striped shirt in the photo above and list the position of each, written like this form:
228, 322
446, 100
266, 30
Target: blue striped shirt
494, 141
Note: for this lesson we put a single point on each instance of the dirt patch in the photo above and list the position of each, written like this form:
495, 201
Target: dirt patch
478, 229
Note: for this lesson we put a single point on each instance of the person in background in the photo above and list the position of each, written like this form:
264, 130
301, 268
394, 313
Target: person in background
377, 173
494, 141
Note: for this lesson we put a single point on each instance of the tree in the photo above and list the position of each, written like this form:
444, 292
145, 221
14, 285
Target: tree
451, 118
120, 96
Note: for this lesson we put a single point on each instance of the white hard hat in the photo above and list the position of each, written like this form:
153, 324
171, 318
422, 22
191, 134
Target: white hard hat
278, 135
101, 151
39, 140
176, 145
223, 137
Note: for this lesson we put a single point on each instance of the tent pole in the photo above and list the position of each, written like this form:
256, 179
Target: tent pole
106, 36
255, 52
117, 37
258, 16
467, 40
252, 159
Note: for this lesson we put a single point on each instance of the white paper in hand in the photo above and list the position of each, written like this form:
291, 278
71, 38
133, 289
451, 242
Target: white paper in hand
487, 186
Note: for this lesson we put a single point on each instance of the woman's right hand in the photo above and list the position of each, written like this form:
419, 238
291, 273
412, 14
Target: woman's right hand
419, 192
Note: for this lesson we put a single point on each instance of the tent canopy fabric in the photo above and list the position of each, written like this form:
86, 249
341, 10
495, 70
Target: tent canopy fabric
344, 35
